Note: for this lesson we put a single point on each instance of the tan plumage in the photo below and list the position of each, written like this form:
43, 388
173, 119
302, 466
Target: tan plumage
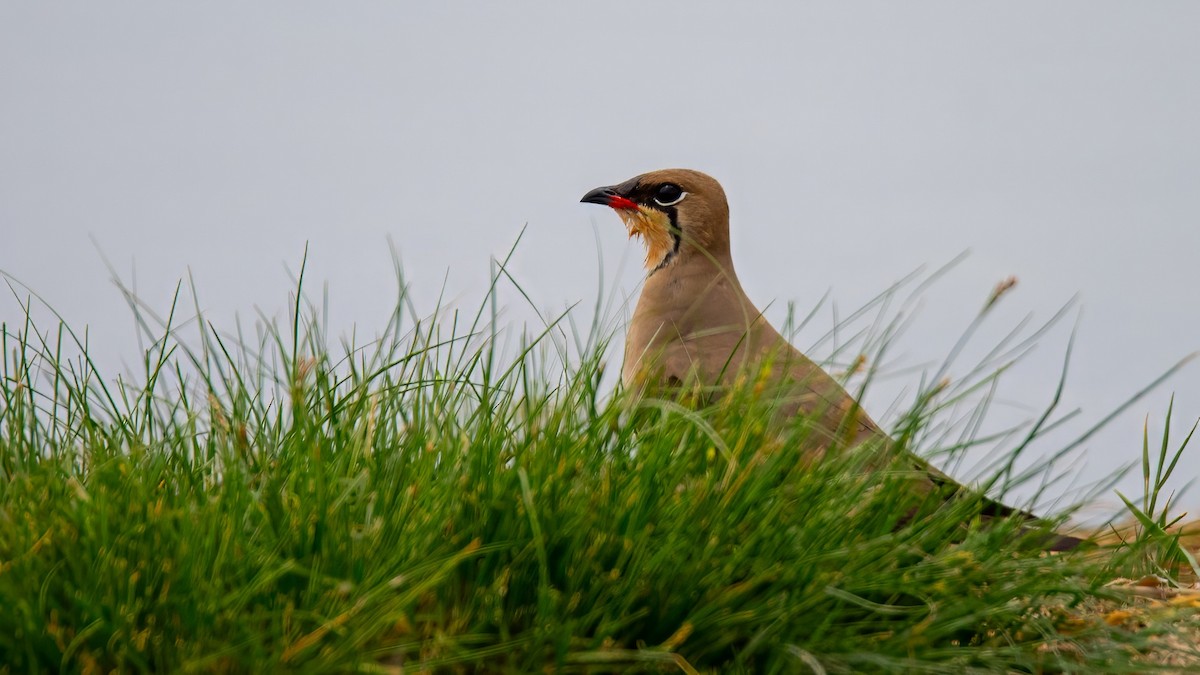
695, 326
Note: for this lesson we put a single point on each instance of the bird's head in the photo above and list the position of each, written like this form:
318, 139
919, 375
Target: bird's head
675, 212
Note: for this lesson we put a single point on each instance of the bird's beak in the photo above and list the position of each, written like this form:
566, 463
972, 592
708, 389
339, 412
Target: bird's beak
608, 196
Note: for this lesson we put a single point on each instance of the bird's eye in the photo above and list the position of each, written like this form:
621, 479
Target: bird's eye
669, 194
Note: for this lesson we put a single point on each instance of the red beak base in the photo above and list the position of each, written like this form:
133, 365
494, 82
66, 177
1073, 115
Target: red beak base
618, 202
609, 197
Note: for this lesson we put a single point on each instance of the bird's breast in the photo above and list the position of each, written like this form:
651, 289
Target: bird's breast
685, 327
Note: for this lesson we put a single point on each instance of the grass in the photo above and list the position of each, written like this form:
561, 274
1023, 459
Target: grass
435, 501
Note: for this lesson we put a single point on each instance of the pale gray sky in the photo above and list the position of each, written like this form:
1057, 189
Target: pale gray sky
857, 141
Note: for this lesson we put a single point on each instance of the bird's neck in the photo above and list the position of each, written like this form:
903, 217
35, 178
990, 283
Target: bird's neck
681, 293
696, 303
693, 271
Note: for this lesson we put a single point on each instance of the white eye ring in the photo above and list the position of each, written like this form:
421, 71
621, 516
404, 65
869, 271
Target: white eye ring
673, 202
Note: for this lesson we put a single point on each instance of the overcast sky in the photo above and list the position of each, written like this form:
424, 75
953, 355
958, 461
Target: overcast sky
1058, 142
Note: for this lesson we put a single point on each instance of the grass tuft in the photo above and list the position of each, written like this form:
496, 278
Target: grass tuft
432, 501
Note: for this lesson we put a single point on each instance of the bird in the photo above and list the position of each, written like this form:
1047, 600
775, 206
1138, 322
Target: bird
694, 325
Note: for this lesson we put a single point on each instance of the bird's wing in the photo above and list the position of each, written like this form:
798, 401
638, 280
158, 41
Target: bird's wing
818, 396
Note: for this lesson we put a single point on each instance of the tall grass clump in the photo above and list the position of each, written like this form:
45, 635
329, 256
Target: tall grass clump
456, 497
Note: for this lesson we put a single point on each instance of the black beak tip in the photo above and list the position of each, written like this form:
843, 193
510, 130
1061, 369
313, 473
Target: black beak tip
601, 195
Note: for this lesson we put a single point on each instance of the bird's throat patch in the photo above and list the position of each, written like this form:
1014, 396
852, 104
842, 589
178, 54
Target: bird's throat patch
653, 227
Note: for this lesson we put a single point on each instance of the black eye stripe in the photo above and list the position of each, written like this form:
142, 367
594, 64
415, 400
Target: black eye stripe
662, 196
